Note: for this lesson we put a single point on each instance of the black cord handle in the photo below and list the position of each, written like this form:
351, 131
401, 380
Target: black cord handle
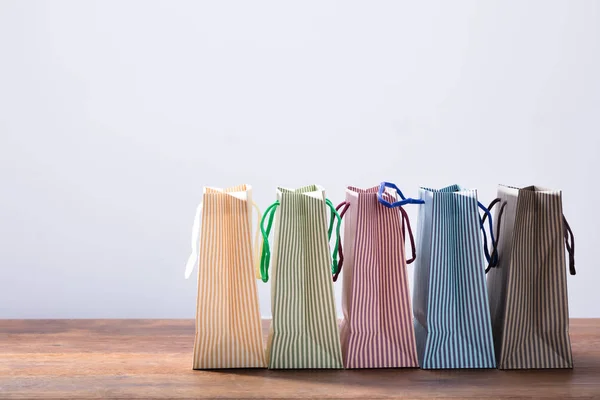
570, 246
494, 258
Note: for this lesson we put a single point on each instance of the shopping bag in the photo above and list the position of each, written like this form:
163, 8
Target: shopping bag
304, 331
377, 329
528, 288
451, 312
228, 324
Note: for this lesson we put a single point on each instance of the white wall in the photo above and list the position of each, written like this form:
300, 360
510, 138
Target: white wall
113, 115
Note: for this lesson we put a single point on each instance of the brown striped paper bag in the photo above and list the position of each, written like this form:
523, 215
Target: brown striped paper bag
528, 287
228, 325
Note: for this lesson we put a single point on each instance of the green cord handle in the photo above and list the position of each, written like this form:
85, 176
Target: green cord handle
331, 220
265, 257
334, 214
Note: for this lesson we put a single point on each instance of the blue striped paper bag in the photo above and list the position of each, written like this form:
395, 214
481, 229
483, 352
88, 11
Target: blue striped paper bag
450, 303
528, 289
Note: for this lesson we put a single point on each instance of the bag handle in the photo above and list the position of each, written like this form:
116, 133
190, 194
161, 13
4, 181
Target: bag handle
399, 203
194, 257
406, 224
334, 215
568, 235
405, 219
346, 205
570, 247
494, 256
266, 250
265, 257
487, 213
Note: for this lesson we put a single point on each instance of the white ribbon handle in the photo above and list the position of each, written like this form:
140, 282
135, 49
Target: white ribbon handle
193, 259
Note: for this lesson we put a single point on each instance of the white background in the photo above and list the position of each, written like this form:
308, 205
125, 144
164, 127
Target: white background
113, 115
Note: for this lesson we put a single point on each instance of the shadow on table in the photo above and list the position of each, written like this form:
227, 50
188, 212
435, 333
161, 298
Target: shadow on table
408, 377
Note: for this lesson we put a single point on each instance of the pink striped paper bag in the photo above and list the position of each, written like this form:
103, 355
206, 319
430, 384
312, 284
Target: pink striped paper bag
377, 330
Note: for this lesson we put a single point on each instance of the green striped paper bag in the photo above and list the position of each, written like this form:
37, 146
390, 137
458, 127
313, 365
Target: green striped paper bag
528, 288
304, 331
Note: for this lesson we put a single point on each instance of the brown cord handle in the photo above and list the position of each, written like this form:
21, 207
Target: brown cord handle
405, 226
406, 222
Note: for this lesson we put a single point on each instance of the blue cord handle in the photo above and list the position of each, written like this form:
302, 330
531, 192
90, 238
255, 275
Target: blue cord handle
399, 203
485, 249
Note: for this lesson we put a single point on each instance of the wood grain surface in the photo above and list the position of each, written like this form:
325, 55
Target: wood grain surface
152, 359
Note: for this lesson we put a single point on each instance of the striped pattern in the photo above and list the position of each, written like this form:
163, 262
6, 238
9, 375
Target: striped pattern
228, 325
452, 319
528, 291
377, 330
304, 331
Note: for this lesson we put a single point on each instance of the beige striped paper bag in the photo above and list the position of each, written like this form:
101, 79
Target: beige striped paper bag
228, 325
528, 287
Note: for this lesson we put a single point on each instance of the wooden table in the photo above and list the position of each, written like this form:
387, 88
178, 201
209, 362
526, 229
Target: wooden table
152, 359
